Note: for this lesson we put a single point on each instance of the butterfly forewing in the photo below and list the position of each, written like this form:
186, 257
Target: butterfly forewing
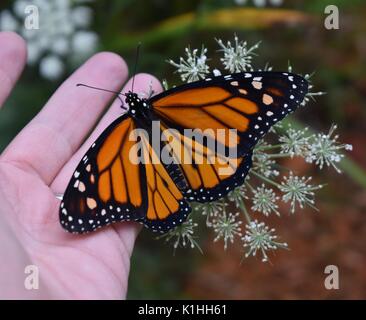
248, 103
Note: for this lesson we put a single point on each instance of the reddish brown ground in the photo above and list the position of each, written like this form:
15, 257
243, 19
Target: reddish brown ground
336, 235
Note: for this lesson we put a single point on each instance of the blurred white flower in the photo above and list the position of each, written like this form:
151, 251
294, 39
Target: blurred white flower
259, 238
61, 46
7, 21
194, 67
260, 3
34, 53
62, 34
82, 16
51, 67
84, 42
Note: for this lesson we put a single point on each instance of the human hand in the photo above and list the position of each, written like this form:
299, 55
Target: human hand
38, 163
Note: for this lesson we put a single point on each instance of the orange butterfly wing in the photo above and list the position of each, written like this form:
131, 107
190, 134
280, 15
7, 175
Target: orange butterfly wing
242, 107
167, 207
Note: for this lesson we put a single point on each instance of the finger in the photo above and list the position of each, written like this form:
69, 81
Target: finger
52, 137
142, 84
13, 54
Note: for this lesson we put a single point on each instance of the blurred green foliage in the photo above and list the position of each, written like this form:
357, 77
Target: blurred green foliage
166, 28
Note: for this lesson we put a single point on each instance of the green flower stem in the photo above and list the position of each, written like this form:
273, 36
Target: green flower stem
249, 186
244, 210
258, 175
279, 155
269, 147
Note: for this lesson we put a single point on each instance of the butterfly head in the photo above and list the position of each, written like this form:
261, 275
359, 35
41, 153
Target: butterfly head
135, 103
131, 97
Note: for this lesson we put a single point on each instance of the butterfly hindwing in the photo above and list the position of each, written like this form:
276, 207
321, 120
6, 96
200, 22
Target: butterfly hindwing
208, 175
167, 206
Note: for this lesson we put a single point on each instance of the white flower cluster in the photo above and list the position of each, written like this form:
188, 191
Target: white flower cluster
320, 149
297, 190
195, 67
325, 149
227, 227
294, 142
182, 235
264, 200
260, 238
211, 210
59, 35
267, 182
237, 57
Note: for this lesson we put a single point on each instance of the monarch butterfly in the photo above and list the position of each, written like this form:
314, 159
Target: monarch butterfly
108, 187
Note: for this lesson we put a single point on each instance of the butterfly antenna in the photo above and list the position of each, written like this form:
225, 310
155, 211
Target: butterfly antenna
118, 94
135, 67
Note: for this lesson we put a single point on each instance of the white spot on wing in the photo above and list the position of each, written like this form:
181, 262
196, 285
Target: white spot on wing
267, 99
257, 85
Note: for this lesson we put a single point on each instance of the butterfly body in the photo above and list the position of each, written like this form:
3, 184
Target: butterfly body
110, 185
136, 105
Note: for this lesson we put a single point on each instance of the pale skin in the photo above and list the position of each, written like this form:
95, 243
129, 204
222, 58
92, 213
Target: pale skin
38, 164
